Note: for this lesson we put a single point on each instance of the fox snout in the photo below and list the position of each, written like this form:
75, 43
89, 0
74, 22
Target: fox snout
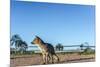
32, 43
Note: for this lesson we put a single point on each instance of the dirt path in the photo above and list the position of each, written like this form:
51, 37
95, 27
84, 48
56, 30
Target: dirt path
28, 60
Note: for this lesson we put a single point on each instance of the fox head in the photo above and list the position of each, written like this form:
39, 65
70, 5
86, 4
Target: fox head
37, 40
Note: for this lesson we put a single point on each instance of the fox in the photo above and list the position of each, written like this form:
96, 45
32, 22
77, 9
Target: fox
46, 49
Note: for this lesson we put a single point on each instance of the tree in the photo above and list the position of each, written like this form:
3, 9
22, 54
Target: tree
20, 45
15, 39
87, 44
81, 46
23, 47
59, 47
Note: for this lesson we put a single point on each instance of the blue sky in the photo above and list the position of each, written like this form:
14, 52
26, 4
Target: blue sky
68, 24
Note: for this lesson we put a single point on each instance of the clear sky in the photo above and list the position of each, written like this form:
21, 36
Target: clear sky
68, 24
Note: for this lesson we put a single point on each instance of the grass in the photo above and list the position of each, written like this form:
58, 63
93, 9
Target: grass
86, 51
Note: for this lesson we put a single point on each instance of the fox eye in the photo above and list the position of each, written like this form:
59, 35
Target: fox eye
35, 39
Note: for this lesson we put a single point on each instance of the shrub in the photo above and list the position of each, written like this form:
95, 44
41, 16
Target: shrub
88, 51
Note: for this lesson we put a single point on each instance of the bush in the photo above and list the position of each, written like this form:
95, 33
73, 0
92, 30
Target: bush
88, 51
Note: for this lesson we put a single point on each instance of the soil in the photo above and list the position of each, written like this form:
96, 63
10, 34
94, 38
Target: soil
36, 59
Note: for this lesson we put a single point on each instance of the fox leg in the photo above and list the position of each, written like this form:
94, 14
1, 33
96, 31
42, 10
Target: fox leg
44, 59
52, 60
56, 57
47, 58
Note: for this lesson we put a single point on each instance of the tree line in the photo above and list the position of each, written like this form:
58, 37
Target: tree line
21, 45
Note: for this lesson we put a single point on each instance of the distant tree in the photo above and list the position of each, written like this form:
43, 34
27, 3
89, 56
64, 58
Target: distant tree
59, 47
15, 39
23, 47
87, 44
19, 43
81, 46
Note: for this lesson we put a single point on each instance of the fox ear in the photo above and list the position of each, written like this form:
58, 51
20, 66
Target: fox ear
36, 36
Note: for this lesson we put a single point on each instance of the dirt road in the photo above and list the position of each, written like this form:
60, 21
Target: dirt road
28, 60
